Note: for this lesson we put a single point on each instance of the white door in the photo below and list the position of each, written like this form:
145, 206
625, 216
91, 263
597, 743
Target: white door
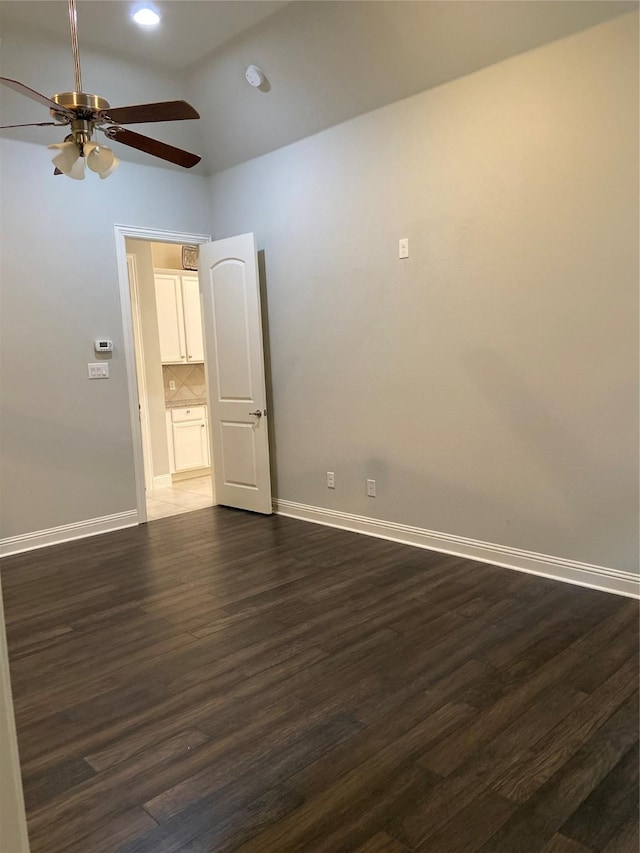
234, 362
192, 318
170, 318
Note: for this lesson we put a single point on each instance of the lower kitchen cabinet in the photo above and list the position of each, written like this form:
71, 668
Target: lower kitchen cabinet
188, 434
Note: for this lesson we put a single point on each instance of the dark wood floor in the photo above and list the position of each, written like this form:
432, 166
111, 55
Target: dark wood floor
221, 681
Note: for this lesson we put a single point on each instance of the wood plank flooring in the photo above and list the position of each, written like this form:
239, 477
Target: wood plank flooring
219, 681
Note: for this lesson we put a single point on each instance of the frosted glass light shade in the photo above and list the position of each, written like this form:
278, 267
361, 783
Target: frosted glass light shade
109, 171
69, 160
77, 170
100, 159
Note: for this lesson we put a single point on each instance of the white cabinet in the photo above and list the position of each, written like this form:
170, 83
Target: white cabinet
179, 317
192, 318
170, 318
188, 433
190, 446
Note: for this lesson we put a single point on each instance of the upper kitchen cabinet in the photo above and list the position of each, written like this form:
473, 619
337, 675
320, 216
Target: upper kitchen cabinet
192, 318
179, 317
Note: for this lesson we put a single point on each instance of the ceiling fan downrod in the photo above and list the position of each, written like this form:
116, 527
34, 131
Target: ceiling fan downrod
78, 108
73, 23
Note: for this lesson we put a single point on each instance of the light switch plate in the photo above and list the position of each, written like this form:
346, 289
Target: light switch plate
99, 370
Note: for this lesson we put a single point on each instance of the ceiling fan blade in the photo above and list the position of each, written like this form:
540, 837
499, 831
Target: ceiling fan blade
35, 96
139, 113
31, 124
152, 146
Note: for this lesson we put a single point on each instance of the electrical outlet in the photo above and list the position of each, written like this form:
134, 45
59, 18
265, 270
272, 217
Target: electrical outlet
331, 480
172, 385
403, 247
371, 488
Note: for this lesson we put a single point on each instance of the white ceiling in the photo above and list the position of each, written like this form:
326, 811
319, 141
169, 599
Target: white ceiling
325, 60
189, 29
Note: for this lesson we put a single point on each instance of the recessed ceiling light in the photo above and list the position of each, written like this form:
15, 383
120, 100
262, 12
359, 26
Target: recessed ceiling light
146, 17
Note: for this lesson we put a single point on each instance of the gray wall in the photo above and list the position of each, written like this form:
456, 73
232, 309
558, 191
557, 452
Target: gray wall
66, 443
489, 382
166, 256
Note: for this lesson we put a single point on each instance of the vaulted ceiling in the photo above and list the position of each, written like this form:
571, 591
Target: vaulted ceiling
189, 29
325, 60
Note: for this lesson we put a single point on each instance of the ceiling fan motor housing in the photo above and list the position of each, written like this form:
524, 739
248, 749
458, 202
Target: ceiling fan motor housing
83, 104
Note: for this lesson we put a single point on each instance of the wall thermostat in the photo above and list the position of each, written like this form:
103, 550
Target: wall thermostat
103, 345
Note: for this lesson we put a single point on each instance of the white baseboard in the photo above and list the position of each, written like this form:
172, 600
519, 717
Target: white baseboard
557, 568
67, 532
191, 474
162, 481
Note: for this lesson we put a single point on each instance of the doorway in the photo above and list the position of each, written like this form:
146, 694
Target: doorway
173, 464
227, 294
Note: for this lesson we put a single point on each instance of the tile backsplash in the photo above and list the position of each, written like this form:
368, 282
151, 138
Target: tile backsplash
190, 383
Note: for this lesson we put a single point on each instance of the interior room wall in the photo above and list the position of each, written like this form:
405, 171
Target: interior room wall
67, 448
167, 256
489, 382
143, 253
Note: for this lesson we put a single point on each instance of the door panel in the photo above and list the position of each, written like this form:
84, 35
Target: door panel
234, 361
239, 455
233, 353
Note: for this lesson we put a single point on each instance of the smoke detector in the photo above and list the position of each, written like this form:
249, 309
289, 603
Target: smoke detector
254, 76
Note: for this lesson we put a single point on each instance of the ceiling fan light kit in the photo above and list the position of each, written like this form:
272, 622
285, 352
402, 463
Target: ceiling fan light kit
85, 113
68, 161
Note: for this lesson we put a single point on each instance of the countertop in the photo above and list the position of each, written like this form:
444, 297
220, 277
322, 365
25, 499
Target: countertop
181, 404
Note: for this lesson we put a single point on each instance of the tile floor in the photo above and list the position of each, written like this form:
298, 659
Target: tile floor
183, 496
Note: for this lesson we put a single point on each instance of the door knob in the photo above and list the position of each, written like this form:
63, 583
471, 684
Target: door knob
257, 413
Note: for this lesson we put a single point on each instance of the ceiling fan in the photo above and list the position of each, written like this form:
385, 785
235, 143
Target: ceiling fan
85, 113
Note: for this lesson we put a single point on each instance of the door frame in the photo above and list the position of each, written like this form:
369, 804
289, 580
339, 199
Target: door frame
147, 450
154, 235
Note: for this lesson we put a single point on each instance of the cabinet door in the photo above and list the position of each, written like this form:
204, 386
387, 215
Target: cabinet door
190, 446
170, 318
192, 318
